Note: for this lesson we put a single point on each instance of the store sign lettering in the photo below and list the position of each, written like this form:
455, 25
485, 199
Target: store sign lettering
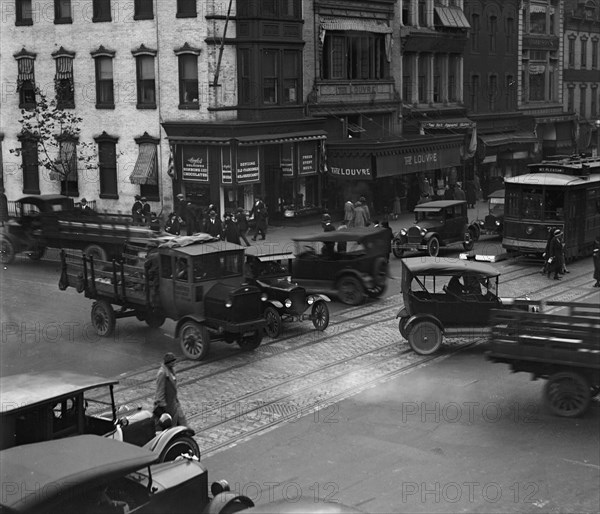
420, 158
351, 172
195, 164
355, 90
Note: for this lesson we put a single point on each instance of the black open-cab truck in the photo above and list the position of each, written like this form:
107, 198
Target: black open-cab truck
562, 347
195, 280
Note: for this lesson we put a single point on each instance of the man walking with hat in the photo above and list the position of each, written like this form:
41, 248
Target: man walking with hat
556, 255
136, 210
165, 400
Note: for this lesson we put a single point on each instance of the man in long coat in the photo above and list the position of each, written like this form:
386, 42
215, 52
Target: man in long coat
259, 211
348, 213
213, 225
556, 254
166, 399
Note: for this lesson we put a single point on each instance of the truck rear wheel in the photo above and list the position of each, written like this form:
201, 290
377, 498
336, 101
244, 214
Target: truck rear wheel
194, 340
425, 337
350, 291
97, 252
273, 319
251, 342
103, 318
7, 251
567, 394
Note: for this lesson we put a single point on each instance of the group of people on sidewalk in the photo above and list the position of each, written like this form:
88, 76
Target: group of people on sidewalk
232, 228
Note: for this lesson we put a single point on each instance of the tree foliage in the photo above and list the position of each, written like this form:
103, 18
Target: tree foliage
51, 127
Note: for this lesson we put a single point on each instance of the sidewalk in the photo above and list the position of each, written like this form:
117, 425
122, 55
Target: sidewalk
278, 233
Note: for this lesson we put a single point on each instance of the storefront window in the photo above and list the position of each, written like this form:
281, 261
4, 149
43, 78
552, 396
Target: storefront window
537, 19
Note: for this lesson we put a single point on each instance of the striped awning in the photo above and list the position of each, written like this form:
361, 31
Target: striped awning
451, 16
291, 137
145, 171
356, 24
25, 70
508, 138
64, 67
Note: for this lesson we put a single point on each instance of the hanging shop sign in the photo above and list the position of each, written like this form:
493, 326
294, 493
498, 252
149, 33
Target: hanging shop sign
247, 166
307, 158
287, 159
226, 171
195, 163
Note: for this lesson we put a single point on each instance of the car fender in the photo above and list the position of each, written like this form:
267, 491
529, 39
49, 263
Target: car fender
222, 501
160, 441
402, 313
317, 297
348, 271
422, 317
429, 235
189, 317
275, 303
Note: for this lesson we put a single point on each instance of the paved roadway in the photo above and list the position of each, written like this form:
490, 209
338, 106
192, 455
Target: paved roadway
350, 414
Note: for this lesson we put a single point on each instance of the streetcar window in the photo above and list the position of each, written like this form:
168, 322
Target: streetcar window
512, 203
532, 203
554, 205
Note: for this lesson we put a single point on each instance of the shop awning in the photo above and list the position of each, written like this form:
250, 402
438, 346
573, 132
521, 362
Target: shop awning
505, 139
271, 139
451, 16
191, 140
356, 24
145, 166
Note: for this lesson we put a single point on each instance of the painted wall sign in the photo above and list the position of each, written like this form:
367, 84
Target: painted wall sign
287, 159
195, 163
307, 152
247, 167
226, 170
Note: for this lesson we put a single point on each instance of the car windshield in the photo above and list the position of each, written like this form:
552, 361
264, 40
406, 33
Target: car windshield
496, 206
470, 284
269, 268
428, 215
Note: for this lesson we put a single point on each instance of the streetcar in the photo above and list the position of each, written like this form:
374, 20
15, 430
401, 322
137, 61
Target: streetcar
559, 194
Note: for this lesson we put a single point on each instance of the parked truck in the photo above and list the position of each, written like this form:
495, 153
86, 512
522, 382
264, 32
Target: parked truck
195, 280
52, 221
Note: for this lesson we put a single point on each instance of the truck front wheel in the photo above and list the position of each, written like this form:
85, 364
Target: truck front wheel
103, 318
7, 251
194, 340
251, 342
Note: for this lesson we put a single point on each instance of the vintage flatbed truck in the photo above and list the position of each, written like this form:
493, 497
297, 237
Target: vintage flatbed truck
52, 221
195, 280
562, 347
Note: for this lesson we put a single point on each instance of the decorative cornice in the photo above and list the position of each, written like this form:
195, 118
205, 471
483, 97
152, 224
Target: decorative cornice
187, 49
106, 138
146, 138
24, 54
61, 52
102, 52
144, 50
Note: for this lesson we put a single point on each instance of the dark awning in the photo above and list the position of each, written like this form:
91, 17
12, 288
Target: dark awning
505, 139
145, 166
356, 24
451, 16
193, 140
291, 137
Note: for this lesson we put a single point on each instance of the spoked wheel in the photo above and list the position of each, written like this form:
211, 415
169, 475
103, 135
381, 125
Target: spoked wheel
274, 324
398, 252
433, 247
179, 446
402, 327
251, 342
7, 251
320, 315
425, 337
194, 340
97, 252
350, 291
567, 394
103, 318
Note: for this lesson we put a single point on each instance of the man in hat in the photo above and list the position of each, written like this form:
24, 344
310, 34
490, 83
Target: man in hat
166, 399
259, 211
136, 210
230, 231
146, 213
348, 213
242, 224
556, 254
85, 209
213, 225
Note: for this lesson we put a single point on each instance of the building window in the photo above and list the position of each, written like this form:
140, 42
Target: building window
67, 162
571, 99
475, 32
537, 82
30, 164
63, 81
493, 33
146, 84
24, 13
437, 79
105, 98
107, 166
594, 54
270, 75
422, 77
101, 11
571, 61
145, 171
354, 56
291, 76
537, 18
280, 8
406, 78
62, 11
244, 76
422, 13
188, 81
186, 9
582, 101
511, 87
492, 92
584, 41
510, 35
452, 74
406, 13
594, 102
143, 10
26, 82
475, 92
